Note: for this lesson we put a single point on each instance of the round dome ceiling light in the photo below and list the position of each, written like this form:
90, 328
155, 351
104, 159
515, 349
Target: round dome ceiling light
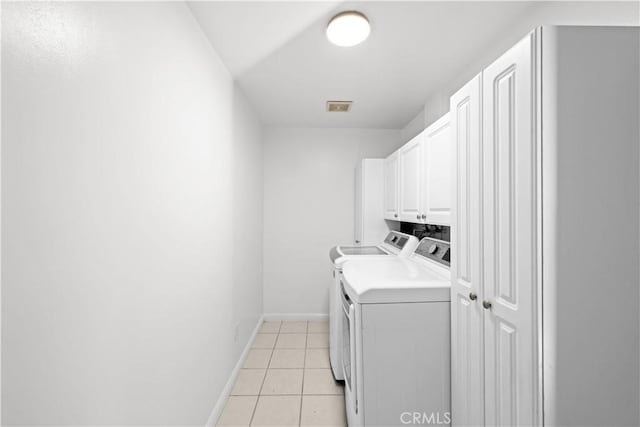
348, 29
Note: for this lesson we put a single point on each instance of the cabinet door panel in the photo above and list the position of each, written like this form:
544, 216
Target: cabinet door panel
437, 172
358, 224
509, 230
411, 180
467, 365
391, 187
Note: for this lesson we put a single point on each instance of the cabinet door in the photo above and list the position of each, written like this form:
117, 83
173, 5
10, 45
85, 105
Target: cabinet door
391, 187
509, 237
411, 188
358, 223
467, 364
436, 194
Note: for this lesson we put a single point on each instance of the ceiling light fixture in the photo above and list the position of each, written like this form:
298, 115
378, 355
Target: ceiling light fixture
348, 29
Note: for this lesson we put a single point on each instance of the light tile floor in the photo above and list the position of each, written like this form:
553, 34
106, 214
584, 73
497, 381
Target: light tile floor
286, 380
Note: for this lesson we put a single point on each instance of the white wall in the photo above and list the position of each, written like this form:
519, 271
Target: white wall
308, 207
248, 216
130, 164
590, 309
544, 13
414, 127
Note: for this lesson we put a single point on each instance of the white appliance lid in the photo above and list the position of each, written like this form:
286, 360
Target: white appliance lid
393, 280
338, 256
361, 250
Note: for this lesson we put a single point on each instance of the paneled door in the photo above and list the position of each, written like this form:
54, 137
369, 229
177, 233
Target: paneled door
436, 196
467, 357
391, 187
509, 237
411, 188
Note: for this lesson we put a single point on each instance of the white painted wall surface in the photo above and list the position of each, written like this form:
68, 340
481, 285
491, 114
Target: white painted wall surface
309, 205
414, 127
129, 160
590, 169
247, 221
545, 13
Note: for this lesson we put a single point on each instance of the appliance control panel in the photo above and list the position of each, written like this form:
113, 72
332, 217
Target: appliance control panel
435, 250
397, 240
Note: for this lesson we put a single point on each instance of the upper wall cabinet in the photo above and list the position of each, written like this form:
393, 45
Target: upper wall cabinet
391, 187
417, 178
411, 186
436, 202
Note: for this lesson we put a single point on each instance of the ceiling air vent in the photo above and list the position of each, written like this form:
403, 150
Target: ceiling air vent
339, 106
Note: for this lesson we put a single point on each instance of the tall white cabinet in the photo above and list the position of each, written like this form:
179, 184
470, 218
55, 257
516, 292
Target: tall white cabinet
390, 189
467, 332
369, 225
545, 243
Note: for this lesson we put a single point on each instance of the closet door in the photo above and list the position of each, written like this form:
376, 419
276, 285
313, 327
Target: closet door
467, 366
509, 237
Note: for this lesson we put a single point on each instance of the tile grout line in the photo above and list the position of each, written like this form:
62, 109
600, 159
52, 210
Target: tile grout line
266, 371
253, 413
304, 366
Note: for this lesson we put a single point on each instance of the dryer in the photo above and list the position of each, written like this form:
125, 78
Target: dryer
396, 338
396, 244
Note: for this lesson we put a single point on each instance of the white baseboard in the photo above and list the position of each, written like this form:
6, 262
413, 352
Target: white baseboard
317, 317
226, 391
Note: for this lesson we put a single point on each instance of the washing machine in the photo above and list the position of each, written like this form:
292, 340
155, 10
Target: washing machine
396, 244
396, 338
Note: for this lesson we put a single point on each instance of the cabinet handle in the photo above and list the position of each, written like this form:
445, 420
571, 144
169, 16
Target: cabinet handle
418, 216
357, 241
486, 304
395, 215
424, 216
473, 296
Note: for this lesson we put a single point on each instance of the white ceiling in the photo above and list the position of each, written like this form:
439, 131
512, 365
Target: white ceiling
280, 57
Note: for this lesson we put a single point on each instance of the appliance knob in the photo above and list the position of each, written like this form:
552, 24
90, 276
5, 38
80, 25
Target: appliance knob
424, 216
473, 296
433, 249
486, 304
